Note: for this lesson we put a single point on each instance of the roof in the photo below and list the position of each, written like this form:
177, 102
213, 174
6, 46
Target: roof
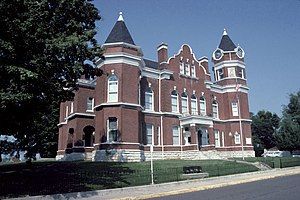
151, 63
226, 43
120, 33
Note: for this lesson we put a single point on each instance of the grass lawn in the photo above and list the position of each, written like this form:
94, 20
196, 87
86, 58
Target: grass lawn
61, 177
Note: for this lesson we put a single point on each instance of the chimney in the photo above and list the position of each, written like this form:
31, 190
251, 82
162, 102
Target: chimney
162, 53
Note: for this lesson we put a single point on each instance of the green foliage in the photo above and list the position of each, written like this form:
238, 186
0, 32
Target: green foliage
288, 136
264, 125
43, 47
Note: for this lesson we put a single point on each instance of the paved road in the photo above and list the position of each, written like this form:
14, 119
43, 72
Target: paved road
281, 188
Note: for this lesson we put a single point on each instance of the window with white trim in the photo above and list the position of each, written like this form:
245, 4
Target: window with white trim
215, 109
181, 67
112, 129
194, 108
231, 72
149, 99
90, 104
149, 134
202, 104
184, 103
174, 101
237, 138
217, 138
193, 71
235, 110
112, 88
205, 137
187, 69
175, 131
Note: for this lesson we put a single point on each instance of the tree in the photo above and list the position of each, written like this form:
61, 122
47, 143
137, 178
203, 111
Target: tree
288, 136
263, 127
43, 47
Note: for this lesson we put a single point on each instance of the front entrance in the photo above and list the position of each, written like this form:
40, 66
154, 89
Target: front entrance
199, 134
203, 138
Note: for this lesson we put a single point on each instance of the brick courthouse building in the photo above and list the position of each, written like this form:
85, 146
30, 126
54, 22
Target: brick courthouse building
174, 104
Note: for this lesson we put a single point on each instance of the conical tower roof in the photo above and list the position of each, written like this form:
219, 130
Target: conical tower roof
120, 33
226, 43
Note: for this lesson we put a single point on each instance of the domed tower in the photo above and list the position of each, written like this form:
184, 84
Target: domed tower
117, 105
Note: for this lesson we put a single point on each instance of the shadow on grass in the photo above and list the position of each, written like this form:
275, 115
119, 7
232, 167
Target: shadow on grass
60, 177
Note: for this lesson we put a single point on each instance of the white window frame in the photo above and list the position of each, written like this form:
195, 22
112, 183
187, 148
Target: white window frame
231, 72
181, 67
186, 110
108, 131
235, 109
217, 138
215, 109
90, 100
174, 107
202, 106
176, 140
237, 138
187, 69
149, 105
194, 107
149, 135
193, 71
112, 95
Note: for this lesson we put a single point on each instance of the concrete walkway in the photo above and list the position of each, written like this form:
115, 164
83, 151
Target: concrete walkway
158, 190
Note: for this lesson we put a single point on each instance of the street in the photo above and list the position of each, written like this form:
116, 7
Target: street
286, 187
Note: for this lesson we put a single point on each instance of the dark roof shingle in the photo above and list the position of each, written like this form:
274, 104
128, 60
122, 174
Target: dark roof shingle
226, 44
151, 63
119, 33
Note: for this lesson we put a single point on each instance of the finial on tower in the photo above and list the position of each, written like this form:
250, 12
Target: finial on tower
225, 32
120, 17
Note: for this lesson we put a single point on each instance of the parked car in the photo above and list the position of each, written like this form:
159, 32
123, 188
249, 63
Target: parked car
277, 154
296, 154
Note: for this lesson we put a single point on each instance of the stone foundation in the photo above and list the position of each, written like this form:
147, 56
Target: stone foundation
126, 155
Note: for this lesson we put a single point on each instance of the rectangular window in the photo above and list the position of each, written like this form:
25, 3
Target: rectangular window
235, 111
112, 129
187, 69
149, 133
217, 138
175, 131
237, 138
202, 108
194, 107
148, 101
215, 111
231, 72
174, 103
193, 70
181, 68
113, 91
90, 104
184, 106
205, 138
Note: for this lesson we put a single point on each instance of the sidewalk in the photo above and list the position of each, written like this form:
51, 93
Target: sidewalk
157, 190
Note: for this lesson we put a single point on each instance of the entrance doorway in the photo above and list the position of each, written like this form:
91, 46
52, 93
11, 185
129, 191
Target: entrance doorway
88, 136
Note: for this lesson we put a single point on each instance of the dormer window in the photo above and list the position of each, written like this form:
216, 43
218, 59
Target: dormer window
193, 71
181, 67
187, 69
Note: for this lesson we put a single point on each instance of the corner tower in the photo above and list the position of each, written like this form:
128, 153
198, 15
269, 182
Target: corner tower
229, 66
117, 105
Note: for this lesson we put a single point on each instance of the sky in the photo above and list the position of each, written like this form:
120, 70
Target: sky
268, 31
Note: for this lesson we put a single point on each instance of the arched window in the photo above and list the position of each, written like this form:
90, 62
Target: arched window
215, 109
194, 107
112, 88
149, 99
202, 105
184, 103
174, 101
